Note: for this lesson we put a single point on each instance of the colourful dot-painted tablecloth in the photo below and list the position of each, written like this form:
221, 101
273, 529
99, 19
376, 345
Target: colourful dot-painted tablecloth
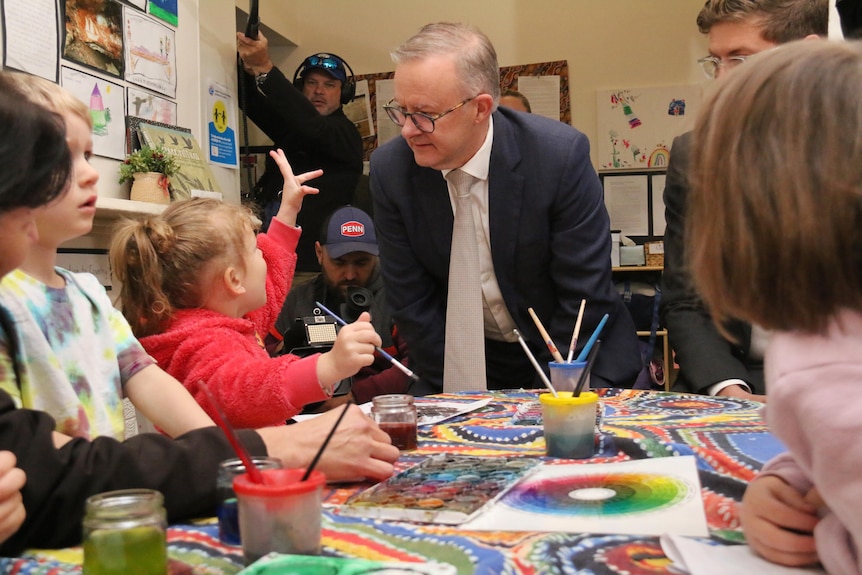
726, 435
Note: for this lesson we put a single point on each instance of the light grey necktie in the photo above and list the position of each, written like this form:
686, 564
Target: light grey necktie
464, 363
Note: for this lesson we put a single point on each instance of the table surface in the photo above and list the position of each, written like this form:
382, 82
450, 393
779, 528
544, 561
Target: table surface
726, 435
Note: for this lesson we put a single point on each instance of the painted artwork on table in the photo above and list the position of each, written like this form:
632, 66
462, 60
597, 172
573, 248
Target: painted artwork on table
641, 497
146, 105
637, 126
151, 59
106, 103
446, 489
93, 35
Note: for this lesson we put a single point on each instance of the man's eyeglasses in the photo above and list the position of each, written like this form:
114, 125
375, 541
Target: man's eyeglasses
423, 122
710, 64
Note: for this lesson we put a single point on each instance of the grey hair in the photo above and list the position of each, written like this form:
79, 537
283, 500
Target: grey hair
474, 55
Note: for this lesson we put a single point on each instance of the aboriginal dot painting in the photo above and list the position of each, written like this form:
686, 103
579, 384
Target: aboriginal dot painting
442, 489
645, 497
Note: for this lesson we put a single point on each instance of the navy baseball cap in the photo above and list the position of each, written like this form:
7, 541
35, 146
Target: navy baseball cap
347, 230
329, 63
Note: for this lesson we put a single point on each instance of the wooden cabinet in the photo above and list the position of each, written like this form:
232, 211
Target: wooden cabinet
651, 275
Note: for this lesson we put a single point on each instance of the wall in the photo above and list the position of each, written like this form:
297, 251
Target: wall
608, 44
206, 50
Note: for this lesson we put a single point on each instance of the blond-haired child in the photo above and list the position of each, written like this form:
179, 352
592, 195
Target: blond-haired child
79, 356
201, 289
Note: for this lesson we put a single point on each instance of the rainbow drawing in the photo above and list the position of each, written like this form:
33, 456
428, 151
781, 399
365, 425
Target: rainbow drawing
659, 157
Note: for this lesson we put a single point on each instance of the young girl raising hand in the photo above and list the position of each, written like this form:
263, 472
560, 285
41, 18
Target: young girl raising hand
199, 288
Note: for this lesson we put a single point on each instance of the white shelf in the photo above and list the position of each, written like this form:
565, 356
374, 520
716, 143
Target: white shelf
113, 208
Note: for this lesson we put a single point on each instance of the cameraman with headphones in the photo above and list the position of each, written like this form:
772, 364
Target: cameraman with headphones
304, 118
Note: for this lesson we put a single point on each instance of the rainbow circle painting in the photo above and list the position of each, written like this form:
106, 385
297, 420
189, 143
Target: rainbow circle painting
607, 494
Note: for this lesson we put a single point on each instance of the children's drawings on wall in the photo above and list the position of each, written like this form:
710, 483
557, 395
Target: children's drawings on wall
637, 126
151, 59
93, 35
143, 104
105, 101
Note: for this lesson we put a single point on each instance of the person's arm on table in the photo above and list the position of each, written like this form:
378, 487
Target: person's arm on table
778, 522
359, 447
183, 469
60, 480
165, 402
693, 336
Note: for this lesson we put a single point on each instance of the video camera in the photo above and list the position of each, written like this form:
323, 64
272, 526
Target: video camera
320, 330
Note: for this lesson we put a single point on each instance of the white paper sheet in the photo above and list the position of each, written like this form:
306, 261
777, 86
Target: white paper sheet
33, 53
699, 558
642, 497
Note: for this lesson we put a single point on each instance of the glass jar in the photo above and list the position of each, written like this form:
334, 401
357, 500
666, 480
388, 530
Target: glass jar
396, 415
124, 532
227, 511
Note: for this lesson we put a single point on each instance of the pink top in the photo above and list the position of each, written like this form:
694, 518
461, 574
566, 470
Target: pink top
814, 385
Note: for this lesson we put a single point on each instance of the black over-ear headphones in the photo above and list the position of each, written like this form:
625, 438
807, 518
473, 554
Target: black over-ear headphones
329, 62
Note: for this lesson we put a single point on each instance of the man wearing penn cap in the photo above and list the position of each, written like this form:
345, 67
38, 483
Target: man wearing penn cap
347, 252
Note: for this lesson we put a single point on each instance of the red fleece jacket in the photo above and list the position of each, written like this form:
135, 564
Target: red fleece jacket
254, 389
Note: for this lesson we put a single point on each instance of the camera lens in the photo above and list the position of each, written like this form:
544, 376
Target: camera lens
359, 300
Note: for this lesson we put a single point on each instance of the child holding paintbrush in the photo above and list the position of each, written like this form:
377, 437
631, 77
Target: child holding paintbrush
775, 233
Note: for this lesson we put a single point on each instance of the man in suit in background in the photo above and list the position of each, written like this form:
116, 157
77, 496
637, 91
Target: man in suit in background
709, 364
538, 219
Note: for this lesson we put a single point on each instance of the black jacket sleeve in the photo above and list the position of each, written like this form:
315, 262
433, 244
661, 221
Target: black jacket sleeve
704, 356
60, 480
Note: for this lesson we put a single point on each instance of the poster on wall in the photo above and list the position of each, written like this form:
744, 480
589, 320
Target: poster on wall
105, 101
143, 104
22, 50
150, 54
636, 126
221, 126
93, 35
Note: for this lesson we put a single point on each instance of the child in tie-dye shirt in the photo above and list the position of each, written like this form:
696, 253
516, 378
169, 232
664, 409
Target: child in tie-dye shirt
77, 354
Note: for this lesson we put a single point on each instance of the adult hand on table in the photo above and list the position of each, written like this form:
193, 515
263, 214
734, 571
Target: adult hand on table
779, 523
358, 449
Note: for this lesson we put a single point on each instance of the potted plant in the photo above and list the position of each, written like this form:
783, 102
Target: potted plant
149, 169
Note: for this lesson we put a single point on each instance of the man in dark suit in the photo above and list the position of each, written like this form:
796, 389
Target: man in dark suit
540, 221
709, 364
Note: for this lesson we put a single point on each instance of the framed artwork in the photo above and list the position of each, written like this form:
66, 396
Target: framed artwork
93, 35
